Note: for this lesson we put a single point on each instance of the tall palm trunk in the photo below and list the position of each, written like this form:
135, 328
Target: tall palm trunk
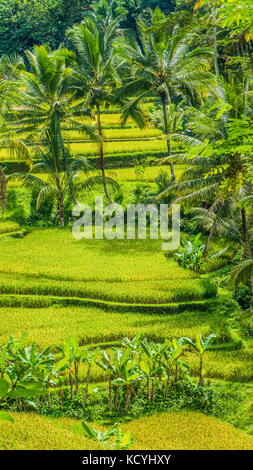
61, 211
101, 152
60, 202
166, 127
216, 66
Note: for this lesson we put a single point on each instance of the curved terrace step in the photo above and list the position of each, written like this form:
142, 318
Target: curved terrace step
42, 301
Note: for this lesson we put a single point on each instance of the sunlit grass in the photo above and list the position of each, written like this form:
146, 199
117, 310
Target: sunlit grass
91, 149
33, 432
50, 326
7, 226
121, 133
148, 174
53, 262
186, 430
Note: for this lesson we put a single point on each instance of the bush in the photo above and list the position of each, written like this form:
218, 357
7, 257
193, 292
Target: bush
243, 296
18, 205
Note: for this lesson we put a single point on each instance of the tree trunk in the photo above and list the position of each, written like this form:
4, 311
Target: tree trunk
110, 393
201, 371
61, 213
60, 204
216, 66
117, 398
148, 391
127, 398
167, 384
71, 385
101, 152
245, 234
87, 386
166, 127
176, 373
206, 250
153, 390
60, 397
76, 378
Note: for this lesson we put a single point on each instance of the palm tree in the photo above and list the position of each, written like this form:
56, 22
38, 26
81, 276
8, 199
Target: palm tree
163, 66
10, 69
212, 5
243, 272
96, 70
47, 107
212, 158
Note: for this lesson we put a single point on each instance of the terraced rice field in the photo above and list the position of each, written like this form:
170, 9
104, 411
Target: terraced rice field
100, 291
182, 430
36, 265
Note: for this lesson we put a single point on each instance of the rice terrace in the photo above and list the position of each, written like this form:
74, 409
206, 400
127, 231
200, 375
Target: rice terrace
116, 340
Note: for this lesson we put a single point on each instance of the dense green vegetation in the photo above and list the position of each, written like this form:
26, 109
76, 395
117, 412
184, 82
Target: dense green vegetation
142, 105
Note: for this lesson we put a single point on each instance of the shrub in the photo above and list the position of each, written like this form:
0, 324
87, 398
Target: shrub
19, 204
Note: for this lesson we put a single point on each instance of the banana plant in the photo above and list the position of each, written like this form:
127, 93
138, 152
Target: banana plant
200, 346
72, 356
22, 370
106, 366
126, 372
151, 366
134, 347
3, 358
190, 254
89, 358
121, 441
170, 358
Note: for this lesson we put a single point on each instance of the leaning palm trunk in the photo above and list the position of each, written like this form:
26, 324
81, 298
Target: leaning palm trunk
165, 119
101, 152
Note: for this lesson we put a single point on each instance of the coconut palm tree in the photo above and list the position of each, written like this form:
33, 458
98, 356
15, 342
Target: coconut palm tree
162, 65
96, 69
48, 106
212, 158
243, 272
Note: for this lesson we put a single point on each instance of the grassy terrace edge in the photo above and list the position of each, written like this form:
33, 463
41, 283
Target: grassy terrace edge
40, 301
